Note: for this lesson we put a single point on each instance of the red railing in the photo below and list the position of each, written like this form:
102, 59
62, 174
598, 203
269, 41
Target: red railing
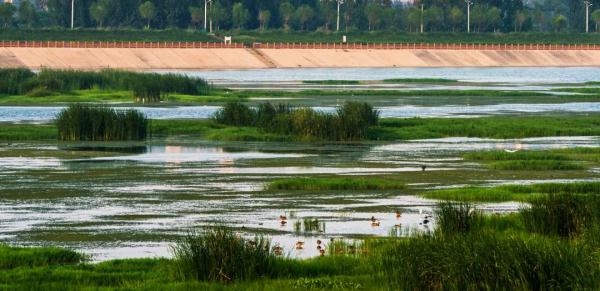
428, 46
117, 44
288, 45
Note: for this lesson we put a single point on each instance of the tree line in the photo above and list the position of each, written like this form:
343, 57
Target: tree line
305, 15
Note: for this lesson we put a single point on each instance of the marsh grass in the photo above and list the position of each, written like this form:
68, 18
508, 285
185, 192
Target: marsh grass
334, 184
15, 257
332, 82
218, 254
535, 165
146, 87
512, 192
487, 261
350, 122
457, 218
420, 81
86, 123
564, 215
508, 156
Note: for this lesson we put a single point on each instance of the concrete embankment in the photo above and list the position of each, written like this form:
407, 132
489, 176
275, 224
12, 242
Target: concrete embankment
257, 58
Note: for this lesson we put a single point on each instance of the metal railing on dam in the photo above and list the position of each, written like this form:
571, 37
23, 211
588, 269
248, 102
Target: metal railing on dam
293, 45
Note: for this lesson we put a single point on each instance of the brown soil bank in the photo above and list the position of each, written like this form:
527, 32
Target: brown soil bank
249, 58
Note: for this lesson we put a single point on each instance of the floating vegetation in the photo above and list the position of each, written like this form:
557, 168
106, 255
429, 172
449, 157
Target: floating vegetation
86, 123
317, 184
308, 225
350, 122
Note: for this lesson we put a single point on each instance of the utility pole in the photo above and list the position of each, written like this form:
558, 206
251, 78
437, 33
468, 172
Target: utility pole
422, 17
72, 14
337, 26
206, 12
587, 4
469, 3
210, 29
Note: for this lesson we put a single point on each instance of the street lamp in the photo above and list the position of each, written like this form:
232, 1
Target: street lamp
72, 13
587, 4
422, 17
206, 12
339, 3
469, 3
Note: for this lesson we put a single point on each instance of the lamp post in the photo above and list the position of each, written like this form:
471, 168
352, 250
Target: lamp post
587, 4
339, 3
422, 8
469, 3
206, 12
72, 14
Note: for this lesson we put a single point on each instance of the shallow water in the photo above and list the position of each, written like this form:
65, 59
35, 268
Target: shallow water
46, 114
135, 203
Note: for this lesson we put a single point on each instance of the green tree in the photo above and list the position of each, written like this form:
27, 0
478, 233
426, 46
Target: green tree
596, 17
456, 17
304, 14
147, 11
328, 13
99, 11
196, 15
478, 17
374, 13
26, 16
520, 19
264, 16
7, 11
559, 22
286, 11
218, 14
413, 19
493, 17
434, 18
239, 15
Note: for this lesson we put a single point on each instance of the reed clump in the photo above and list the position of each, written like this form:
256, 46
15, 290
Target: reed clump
457, 217
86, 123
218, 254
564, 215
350, 122
487, 261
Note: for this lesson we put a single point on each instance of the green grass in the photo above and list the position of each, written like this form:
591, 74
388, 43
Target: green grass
332, 82
512, 192
486, 127
515, 156
420, 81
534, 165
15, 257
324, 184
18, 132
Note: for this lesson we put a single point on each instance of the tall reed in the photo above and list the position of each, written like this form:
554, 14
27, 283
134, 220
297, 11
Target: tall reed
86, 123
456, 218
218, 254
350, 122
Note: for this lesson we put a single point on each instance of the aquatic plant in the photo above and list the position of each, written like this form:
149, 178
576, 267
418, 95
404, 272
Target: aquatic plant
456, 217
86, 123
350, 122
487, 261
15, 257
335, 183
12, 81
564, 215
218, 254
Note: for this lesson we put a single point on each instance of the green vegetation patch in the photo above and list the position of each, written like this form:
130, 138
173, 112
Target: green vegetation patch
332, 82
534, 165
420, 81
322, 184
512, 192
14, 257
524, 160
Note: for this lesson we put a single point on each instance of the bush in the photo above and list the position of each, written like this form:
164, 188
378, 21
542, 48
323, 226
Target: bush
220, 255
86, 123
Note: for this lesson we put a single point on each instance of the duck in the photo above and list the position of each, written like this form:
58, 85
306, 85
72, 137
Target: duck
318, 242
283, 223
299, 245
278, 250
373, 219
322, 252
282, 217
398, 214
375, 223
423, 168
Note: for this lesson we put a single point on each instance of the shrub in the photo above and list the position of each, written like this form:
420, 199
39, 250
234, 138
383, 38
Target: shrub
220, 255
86, 123
12, 80
235, 114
